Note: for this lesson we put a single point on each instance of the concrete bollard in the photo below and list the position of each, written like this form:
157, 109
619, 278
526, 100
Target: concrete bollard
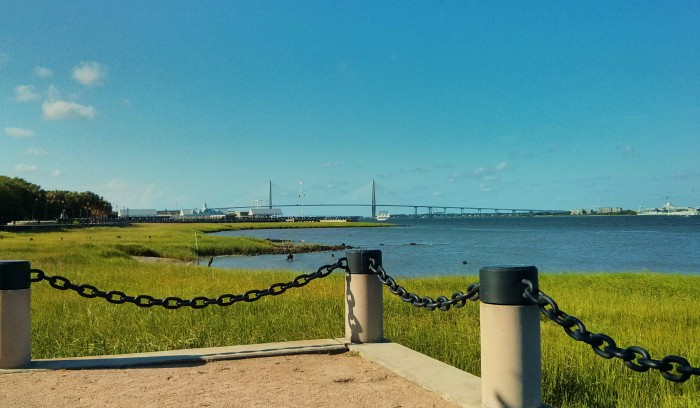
15, 317
364, 310
511, 362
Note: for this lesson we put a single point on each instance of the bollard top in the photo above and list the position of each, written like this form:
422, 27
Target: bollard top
14, 275
358, 260
503, 285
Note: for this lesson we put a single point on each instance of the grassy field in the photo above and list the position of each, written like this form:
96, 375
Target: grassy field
657, 312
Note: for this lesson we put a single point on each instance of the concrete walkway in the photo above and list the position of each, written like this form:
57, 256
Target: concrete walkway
450, 383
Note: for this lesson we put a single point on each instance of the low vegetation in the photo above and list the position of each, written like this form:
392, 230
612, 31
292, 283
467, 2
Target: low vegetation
655, 311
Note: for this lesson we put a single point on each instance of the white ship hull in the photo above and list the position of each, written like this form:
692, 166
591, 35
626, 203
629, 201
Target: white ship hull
670, 209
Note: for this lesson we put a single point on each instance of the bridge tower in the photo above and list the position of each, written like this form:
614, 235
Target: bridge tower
374, 201
269, 201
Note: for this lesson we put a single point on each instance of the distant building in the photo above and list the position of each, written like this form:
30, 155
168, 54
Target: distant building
259, 213
601, 210
265, 212
204, 213
137, 213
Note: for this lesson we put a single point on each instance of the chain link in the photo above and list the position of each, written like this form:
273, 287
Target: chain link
172, 302
672, 368
458, 299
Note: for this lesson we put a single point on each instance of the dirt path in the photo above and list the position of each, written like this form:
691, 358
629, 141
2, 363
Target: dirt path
312, 380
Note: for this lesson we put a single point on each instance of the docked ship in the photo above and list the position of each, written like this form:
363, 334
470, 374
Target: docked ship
670, 209
383, 216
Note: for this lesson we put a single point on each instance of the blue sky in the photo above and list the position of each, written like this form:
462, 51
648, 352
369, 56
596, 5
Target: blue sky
546, 105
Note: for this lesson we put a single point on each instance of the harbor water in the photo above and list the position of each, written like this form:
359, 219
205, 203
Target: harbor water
438, 246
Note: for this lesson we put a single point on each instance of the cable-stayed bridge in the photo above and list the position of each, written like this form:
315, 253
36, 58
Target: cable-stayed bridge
351, 200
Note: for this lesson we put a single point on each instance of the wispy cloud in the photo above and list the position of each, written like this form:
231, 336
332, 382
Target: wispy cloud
480, 173
59, 109
26, 168
43, 72
56, 173
629, 150
125, 194
33, 151
115, 185
18, 132
685, 175
89, 73
488, 173
417, 169
330, 164
26, 93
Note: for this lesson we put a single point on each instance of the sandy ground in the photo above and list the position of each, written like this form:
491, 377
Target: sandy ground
312, 380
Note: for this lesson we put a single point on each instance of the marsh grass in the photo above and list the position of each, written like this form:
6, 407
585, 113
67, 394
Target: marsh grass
655, 311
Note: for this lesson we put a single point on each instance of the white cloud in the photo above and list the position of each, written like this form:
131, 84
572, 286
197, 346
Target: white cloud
43, 72
25, 93
18, 132
33, 151
56, 173
501, 166
330, 164
479, 173
89, 73
52, 93
26, 168
125, 194
484, 188
489, 173
115, 185
60, 109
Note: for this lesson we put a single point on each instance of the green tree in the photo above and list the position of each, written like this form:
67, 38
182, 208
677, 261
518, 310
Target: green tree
19, 199
22, 200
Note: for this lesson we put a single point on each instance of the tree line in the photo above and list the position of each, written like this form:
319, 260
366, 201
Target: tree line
22, 200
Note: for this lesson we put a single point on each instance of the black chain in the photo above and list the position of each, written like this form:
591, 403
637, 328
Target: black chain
199, 302
457, 300
636, 358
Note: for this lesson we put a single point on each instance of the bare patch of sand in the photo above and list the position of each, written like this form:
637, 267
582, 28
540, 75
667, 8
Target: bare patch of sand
312, 380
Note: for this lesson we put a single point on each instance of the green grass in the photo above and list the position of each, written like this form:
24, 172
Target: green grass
655, 311
178, 241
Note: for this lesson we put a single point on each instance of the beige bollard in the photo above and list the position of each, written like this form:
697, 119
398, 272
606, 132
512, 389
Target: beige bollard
15, 318
511, 362
364, 310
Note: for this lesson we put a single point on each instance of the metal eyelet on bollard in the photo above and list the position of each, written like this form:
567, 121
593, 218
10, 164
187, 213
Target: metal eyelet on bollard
364, 313
511, 366
15, 317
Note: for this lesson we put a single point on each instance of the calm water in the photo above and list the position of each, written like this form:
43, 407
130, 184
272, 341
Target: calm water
428, 247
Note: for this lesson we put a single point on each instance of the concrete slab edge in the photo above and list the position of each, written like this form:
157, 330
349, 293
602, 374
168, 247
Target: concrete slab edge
449, 382
203, 355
